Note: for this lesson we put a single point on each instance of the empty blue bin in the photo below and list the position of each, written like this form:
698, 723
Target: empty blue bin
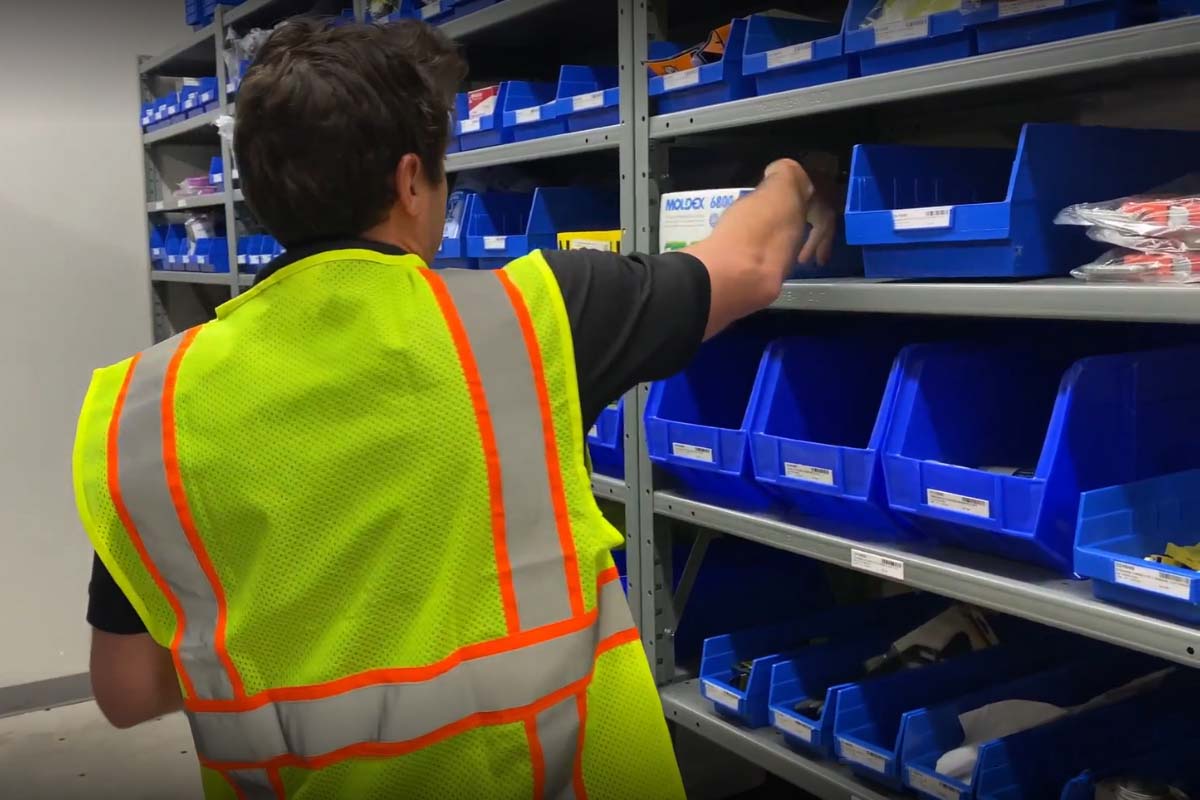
531, 110
1173, 764
968, 420
502, 226
482, 130
707, 84
698, 423
606, 441
783, 53
588, 97
926, 734
942, 212
904, 44
1003, 25
1119, 526
816, 429
211, 255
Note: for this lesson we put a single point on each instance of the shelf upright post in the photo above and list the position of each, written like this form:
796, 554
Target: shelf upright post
231, 233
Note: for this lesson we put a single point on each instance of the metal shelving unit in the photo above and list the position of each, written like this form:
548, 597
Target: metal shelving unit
566, 144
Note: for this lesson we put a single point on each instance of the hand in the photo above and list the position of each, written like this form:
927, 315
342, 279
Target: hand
823, 217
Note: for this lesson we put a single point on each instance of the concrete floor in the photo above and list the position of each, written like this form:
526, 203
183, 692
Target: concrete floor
72, 753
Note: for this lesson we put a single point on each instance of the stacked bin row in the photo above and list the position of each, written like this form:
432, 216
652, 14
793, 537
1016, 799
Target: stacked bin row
194, 98
1107, 711
435, 12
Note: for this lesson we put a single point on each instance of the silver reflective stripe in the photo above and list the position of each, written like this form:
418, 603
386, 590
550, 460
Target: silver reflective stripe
534, 551
558, 732
143, 480
400, 712
254, 784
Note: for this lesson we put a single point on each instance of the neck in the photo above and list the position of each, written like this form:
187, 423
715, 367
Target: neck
388, 233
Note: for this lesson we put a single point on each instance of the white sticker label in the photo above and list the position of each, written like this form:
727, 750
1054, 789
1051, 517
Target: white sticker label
1153, 580
932, 786
431, 10
908, 219
890, 32
803, 472
218, 177
234, 175
593, 431
1011, 8
201, 259
862, 756
471, 125
974, 506
495, 242
529, 114
242, 258
588, 244
582, 102
692, 451
159, 206
721, 695
255, 259
189, 103
678, 80
792, 726
792, 54
877, 564
181, 203
230, 87
207, 97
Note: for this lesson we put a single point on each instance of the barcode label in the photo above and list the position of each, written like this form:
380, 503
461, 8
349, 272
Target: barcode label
803, 472
931, 785
975, 506
721, 695
792, 726
470, 125
201, 259
793, 54
181, 203
431, 10
218, 177
862, 756
907, 219
877, 564
495, 242
678, 80
159, 206
582, 102
242, 258
529, 114
1152, 580
1011, 8
694, 452
902, 31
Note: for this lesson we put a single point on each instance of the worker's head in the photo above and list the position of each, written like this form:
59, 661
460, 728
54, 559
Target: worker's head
342, 132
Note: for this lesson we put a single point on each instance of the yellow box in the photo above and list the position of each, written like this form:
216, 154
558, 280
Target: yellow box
590, 240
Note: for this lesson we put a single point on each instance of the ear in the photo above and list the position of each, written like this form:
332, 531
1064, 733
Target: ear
410, 184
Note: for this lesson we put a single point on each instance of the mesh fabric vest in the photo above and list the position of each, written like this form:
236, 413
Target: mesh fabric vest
355, 508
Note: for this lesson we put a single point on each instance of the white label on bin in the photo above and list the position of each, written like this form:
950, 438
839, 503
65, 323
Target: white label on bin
582, 102
181, 203
877, 564
201, 259
589, 244
218, 177
1011, 8
469, 125
241, 259
803, 472
159, 206
593, 431
431, 10
791, 726
678, 80
862, 756
234, 174
692, 451
902, 31
720, 695
1153, 580
495, 242
529, 114
932, 786
975, 506
792, 54
908, 219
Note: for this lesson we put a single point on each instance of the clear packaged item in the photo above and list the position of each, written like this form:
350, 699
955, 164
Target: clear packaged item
1130, 266
889, 11
1180, 242
1165, 212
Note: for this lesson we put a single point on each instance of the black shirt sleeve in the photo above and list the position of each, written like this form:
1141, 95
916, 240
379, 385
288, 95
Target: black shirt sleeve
108, 608
633, 318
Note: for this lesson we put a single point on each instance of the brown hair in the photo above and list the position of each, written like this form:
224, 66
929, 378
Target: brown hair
326, 112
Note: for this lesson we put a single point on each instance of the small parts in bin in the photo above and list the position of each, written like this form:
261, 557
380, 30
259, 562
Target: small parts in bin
1132, 788
1178, 556
710, 52
888, 12
1130, 266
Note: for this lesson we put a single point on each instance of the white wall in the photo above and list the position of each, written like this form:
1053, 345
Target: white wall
74, 294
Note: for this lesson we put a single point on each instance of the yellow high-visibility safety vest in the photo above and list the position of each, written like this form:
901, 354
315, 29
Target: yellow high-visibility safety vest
355, 508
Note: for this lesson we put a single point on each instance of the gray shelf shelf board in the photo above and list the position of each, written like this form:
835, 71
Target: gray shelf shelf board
764, 747
246, 279
1139, 46
1051, 298
565, 144
501, 13
607, 488
194, 57
185, 203
166, 276
1009, 586
197, 130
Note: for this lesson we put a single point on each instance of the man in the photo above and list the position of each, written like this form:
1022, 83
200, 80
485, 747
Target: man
347, 526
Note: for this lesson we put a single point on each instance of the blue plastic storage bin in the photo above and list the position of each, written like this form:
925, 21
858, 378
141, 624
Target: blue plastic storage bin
928, 733
483, 130
1172, 9
1003, 25
435, 12
453, 251
1173, 764
901, 45
817, 427
707, 84
199, 98
1120, 525
211, 255
606, 441
530, 110
588, 97
1100, 421
943, 212
698, 423
502, 226
768, 645
176, 249
781, 53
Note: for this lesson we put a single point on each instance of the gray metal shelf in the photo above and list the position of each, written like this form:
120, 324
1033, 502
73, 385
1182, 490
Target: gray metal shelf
1009, 586
197, 130
607, 138
764, 747
498, 14
194, 57
185, 203
607, 488
1052, 298
1117, 51
165, 276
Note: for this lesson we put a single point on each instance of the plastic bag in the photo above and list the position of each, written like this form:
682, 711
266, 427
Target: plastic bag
1165, 212
1130, 266
1179, 243
889, 11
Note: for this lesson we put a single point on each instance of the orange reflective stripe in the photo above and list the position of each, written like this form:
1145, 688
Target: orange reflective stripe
487, 437
537, 759
607, 576
557, 493
277, 783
